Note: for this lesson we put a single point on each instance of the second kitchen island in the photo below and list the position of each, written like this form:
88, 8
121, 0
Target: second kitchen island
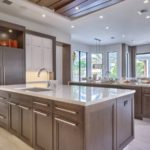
69, 117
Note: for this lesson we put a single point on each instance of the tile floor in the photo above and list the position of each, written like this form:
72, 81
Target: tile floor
141, 141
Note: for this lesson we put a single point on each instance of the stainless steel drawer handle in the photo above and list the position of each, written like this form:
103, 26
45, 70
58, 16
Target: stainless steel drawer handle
42, 104
23, 107
40, 113
2, 117
2, 98
66, 122
13, 104
66, 110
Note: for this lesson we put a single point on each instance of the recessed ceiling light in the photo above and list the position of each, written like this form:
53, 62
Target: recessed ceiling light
139, 12
146, 1
101, 17
10, 30
72, 26
123, 36
107, 27
112, 37
77, 8
147, 17
43, 15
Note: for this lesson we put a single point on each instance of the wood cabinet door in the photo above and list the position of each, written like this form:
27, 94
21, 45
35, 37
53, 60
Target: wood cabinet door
42, 131
125, 125
13, 66
146, 105
14, 118
67, 135
26, 124
3, 112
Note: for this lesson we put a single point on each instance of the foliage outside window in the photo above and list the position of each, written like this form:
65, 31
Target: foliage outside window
79, 65
142, 65
96, 64
113, 65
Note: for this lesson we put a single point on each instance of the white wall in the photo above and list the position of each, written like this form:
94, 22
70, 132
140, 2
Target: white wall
60, 35
143, 48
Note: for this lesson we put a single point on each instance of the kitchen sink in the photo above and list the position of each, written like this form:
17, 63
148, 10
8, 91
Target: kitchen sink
36, 89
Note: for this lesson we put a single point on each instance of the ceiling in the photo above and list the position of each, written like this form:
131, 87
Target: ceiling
75, 8
125, 25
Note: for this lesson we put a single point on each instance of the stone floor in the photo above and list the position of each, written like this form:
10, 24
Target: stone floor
141, 141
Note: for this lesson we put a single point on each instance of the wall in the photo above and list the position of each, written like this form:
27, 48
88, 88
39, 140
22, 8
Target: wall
60, 35
143, 49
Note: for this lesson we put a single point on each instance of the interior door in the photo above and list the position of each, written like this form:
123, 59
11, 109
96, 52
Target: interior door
13, 66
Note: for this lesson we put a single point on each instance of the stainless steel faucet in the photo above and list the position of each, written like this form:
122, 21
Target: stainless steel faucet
39, 73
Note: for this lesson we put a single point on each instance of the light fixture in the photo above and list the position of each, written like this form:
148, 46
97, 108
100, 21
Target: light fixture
107, 27
43, 15
123, 36
101, 17
72, 26
139, 12
77, 8
146, 1
10, 30
147, 17
112, 37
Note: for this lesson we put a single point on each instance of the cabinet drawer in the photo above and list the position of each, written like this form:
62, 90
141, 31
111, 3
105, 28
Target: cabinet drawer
42, 105
3, 114
72, 112
4, 95
146, 90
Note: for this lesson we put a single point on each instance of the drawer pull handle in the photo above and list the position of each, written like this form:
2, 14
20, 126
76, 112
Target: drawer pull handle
23, 107
13, 104
2, 98
2, 117
125, 103
40, 113
42, 104
65, 110
66, 122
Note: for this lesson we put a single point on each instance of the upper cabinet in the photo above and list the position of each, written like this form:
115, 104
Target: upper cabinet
38, 53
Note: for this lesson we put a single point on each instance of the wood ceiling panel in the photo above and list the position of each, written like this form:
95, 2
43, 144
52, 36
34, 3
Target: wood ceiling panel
67, 7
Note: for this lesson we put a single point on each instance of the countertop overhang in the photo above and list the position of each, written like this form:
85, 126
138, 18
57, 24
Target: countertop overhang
80, 95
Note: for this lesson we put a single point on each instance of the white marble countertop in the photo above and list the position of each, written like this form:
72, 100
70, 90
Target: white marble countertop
117, 83
80, 95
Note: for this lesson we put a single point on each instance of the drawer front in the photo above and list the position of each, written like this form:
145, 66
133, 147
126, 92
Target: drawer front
69, 111
3, 114
43, 105
4, 95
146, 90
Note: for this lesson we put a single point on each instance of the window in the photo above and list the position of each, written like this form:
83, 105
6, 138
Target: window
112, 65
79, 65
142, 65
96, 64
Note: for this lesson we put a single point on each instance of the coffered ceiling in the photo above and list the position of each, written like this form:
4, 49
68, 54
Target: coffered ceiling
75, 8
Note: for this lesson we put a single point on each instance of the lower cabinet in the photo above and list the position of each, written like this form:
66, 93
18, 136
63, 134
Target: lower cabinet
146, 105
3, 112
125, 124
42, 124
67, 134
20, 118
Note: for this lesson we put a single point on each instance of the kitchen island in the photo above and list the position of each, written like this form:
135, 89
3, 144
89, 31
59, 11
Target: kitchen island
141, 97
68, 117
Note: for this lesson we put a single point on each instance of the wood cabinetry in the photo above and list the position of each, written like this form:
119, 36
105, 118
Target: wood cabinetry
125, 117
51, 125
146, 102
42, 125
20, 121
3, 109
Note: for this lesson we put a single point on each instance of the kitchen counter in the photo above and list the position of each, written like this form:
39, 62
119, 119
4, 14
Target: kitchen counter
79, 95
